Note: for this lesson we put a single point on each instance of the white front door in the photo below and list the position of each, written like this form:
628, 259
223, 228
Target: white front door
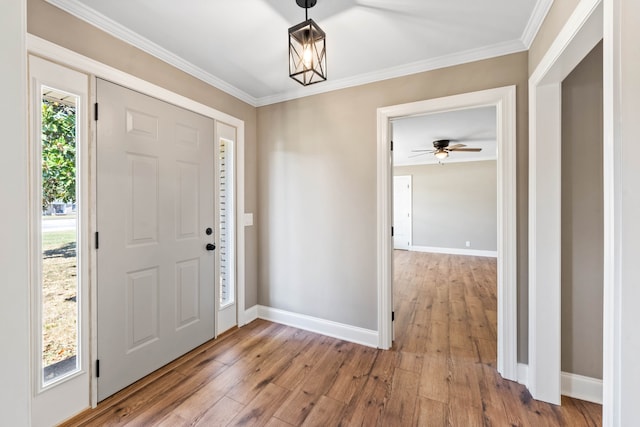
155, 204
402, 212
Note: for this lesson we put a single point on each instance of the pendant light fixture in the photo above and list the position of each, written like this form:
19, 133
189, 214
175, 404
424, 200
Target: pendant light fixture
307, 49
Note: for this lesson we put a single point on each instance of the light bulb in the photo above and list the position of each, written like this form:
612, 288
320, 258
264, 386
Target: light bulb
441, 154
307, 55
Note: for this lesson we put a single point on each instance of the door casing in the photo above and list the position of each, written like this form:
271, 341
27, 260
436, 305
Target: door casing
504, 100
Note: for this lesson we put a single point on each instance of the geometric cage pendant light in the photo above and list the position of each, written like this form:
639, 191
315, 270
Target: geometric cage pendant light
307, 49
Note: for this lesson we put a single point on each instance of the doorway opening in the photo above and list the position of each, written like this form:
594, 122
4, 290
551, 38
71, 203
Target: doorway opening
581, 34
503, 99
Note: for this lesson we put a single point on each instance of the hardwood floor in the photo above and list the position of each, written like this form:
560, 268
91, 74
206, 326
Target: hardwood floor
441, 371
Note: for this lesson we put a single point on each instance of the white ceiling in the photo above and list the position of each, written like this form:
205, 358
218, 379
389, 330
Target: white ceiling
241, 46
475, 127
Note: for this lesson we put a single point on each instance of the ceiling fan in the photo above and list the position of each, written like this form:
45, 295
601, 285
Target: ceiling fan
441, 149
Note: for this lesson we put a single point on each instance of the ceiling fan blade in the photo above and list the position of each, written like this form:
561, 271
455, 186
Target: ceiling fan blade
456, 146
417, 155
423, 151
469, 150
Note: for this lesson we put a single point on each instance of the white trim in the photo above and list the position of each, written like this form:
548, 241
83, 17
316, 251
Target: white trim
240, 231
622, 208
572, 385
444, 61
111, 27
544, 245
321, 326
93, 225
15, 393
581, 387
504, 99
85, 13
384, 219
580, 34
454, 251
250, 315
536, 19
58, 54
523, 374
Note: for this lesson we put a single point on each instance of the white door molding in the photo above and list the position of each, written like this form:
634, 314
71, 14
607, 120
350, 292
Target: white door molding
504, 99
578, 37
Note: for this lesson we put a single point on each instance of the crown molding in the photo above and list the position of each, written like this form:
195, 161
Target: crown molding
536, 19
450, 60
85, 13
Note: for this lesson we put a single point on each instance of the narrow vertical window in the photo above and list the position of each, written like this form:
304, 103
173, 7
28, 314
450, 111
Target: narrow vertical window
59, 236
226, 214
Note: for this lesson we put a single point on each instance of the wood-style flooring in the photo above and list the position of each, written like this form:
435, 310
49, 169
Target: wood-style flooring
441, 371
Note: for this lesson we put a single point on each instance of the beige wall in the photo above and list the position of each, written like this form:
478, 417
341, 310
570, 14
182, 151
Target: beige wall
317, 190
582, 218
51, 23
557, 17
454, 203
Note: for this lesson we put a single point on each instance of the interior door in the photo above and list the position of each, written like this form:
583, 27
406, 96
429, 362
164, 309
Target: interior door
402, 212
155, 216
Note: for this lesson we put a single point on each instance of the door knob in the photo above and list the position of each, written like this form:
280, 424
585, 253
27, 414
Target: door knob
211, 247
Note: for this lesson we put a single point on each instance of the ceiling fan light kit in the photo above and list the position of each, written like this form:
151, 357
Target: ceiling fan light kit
441, 149
307, 49
441, 154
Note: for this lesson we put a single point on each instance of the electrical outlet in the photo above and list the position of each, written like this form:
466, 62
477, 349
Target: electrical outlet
468, 243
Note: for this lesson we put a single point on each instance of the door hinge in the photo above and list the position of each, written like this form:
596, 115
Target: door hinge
392, 145
95, 111
97, 368
393, 316
97, 240
391, 231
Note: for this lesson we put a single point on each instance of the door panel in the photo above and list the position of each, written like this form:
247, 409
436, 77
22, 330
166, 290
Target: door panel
155, 191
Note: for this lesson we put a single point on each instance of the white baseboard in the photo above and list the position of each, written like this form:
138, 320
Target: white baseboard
341, 331
523, 374
250, 314
454, 251
572, 385
581, 387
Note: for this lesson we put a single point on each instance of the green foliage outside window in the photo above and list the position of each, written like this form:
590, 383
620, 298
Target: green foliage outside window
58, 153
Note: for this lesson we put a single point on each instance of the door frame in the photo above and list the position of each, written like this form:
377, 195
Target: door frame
74, 60
504, 99
579, 36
